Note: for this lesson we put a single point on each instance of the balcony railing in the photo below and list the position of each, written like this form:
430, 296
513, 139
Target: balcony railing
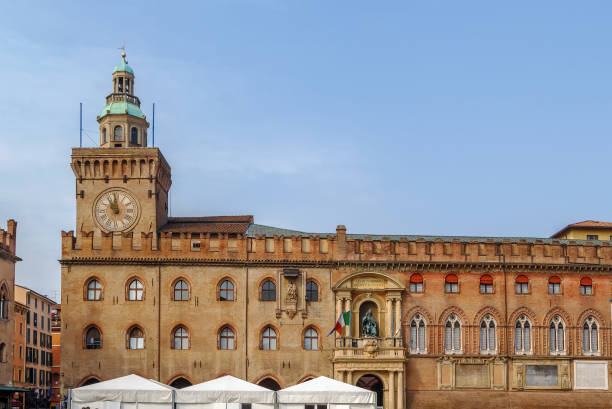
122, 97
346, 342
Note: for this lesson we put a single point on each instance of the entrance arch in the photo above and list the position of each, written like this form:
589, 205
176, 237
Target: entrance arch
90, 381
180, 383
374, 384
269, 383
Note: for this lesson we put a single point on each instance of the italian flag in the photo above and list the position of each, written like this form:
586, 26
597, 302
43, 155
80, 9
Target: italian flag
343, 320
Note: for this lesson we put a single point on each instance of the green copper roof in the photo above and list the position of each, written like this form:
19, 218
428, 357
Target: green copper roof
122, 107
123, 66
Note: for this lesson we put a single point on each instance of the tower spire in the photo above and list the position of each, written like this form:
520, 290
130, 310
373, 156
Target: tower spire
122, 123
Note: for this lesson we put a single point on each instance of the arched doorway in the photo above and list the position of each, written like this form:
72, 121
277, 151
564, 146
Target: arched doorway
180, 383
90, 381
374, 384
270, 384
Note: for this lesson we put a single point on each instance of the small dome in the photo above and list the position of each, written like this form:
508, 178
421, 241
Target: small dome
123, 66
122, 107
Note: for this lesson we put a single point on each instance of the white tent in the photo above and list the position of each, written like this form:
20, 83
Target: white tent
326, 391
224, 392
126, 392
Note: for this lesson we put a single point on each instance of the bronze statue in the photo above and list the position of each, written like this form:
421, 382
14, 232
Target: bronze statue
369, 328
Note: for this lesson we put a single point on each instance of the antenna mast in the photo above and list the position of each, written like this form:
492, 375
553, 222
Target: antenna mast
80, 124
154, 124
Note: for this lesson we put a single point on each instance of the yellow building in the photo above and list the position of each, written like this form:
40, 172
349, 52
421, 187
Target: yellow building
586, 230
437, 321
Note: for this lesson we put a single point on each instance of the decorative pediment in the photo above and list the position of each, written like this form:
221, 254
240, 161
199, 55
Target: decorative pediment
369, 281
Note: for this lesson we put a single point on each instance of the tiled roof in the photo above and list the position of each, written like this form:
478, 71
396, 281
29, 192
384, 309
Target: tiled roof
213, 224
268, 231
584, 225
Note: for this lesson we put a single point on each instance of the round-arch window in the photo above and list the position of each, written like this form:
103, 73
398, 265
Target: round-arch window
92, 338
268, 291
312, 291
226, 338
118, 133
136, 338
94, 290
226, 291
181, 338
311, 339
135, 290
181, 291
268, 339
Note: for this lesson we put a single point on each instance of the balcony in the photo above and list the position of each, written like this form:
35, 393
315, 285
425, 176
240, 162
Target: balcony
122, 97
367, 348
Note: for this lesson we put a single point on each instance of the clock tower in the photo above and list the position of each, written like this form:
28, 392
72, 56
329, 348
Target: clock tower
122, 186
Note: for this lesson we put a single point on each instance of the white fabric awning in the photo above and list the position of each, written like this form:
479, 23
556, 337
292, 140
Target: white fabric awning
130, 388
326, 390
226, 389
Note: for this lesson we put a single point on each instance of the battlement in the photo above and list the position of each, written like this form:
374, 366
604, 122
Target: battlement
325, 248
8, 239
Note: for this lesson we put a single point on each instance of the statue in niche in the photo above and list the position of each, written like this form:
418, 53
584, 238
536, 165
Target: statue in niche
369, 328
291, 293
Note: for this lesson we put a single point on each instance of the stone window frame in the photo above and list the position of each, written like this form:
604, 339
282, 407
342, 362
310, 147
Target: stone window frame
128, 289
86, 330
128, 337
173, 289
261, 289
453, 318
418, 319
262, 336
522, 319
173, 337
234, 289
450, 279
221, 336
488, 319
593, 322
306, 336
319, 293
555, 321
86, 288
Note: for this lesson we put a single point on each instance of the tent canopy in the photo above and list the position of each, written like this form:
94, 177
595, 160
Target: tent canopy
130, 388
326, 390
226, 389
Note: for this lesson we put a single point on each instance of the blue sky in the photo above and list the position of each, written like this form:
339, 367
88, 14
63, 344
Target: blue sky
431, 117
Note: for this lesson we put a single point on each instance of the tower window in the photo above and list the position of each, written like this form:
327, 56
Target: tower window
134, 136
120, 89
118, 133
103, 135
127, 85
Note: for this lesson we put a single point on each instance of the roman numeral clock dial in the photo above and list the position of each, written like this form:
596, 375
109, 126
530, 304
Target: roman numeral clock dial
116, 210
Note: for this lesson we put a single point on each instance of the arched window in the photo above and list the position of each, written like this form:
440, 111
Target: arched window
486, 284
135, 290
268, 339
226, 338
522, 285
181, 338
136, 338
268, 291
487, 335
416, 283
104, 135
94, 290
452, 335
586, 286
93, 338
522, 335
4, 303
181, 291
554, 285
134, 135
118, 133
311, 339
451, 284
590, 338
556, 338
417, 335
226, 291
312, 291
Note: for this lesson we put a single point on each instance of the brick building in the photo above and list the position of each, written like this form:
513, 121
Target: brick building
436, 321
8, 258
56, 340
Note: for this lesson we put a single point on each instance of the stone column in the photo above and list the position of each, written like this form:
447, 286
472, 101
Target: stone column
388, 316
400, 390
391, 394
349, 377
398, 317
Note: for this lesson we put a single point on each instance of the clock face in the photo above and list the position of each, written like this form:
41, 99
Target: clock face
116, 210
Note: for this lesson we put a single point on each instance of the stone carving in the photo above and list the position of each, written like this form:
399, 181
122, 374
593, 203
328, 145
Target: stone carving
291, 293
371, 348
369, 328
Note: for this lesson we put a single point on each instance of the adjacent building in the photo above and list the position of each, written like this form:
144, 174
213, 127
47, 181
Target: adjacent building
436, 321
37, 354
8, 258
